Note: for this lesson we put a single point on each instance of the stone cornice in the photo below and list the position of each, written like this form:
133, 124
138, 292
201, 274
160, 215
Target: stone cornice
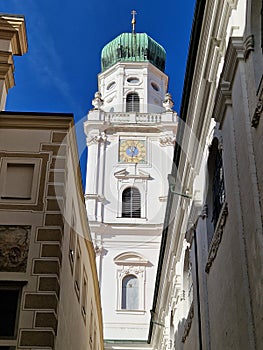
235, 52
13, 28
130, 258
124, 174
7, 69
29, 120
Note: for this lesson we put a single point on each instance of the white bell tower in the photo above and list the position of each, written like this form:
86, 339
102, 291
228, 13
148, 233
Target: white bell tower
130, 138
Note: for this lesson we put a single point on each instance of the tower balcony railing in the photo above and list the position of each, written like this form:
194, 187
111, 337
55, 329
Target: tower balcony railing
136, 118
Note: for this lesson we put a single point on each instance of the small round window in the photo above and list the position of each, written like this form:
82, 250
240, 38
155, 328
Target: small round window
111, 85
155, 86
133, 80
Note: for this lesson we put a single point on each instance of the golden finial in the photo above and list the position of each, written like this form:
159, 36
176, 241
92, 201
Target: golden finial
133, 20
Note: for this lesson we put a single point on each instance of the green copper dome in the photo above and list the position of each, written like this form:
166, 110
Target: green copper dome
130, 47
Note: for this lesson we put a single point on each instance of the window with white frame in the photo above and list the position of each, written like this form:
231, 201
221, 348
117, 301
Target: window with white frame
133, 102
131, 279
131, 203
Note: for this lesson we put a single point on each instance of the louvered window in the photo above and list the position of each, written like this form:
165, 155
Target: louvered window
131, 203
132, 103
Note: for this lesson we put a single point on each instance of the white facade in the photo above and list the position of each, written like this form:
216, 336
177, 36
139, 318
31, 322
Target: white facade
128, 151
210, 285
126, 77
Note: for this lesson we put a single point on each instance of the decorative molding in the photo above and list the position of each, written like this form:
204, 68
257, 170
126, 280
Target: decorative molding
189, 235
220, 143
13, 28
7, 69
167, 140
204, 213
14, 245
97, 102
163, 198
223, 99
168, 102
40, 160
124, 174
249, 44
130, 258
234, 53
188, 322
217, 237
232, 3
131, 270
259, 107
257, 114
97, 139
100, 250
97, 197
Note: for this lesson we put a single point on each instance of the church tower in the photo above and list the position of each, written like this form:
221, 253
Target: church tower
130, 138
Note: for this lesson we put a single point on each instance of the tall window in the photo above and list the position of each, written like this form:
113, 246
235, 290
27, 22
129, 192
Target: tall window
133, 102
130, 295
218, 188
131, 203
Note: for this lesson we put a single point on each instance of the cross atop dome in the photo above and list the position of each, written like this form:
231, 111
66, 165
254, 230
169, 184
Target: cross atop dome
134, 13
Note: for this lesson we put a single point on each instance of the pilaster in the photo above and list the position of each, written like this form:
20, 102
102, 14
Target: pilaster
13, 41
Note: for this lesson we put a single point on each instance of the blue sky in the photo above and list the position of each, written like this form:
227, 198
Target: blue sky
65, 37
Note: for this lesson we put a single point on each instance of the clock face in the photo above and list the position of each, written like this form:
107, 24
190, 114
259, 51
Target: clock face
132, 151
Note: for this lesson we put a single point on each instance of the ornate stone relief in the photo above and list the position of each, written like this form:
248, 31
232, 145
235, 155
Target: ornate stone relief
99, 250
257, 114
217, 237
97, 102
248, 45
168, 102
14, 245
99, 138
167, 140
188, 322
131, 270
204, 212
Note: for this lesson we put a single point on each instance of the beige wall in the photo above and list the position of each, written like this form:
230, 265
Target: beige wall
39, 154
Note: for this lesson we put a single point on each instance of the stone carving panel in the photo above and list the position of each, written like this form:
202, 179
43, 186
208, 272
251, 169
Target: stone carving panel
217, 237
14, 245
188, 323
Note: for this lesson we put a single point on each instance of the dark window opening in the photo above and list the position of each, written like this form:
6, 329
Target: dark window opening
9, 311
133, 102
218, 188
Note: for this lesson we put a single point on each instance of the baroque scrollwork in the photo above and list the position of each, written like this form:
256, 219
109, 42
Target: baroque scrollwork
14, 245
168, 102
188, 322
131, 270
97, 102
96, 139
248, 45
167, 140
217, 237
257, 114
